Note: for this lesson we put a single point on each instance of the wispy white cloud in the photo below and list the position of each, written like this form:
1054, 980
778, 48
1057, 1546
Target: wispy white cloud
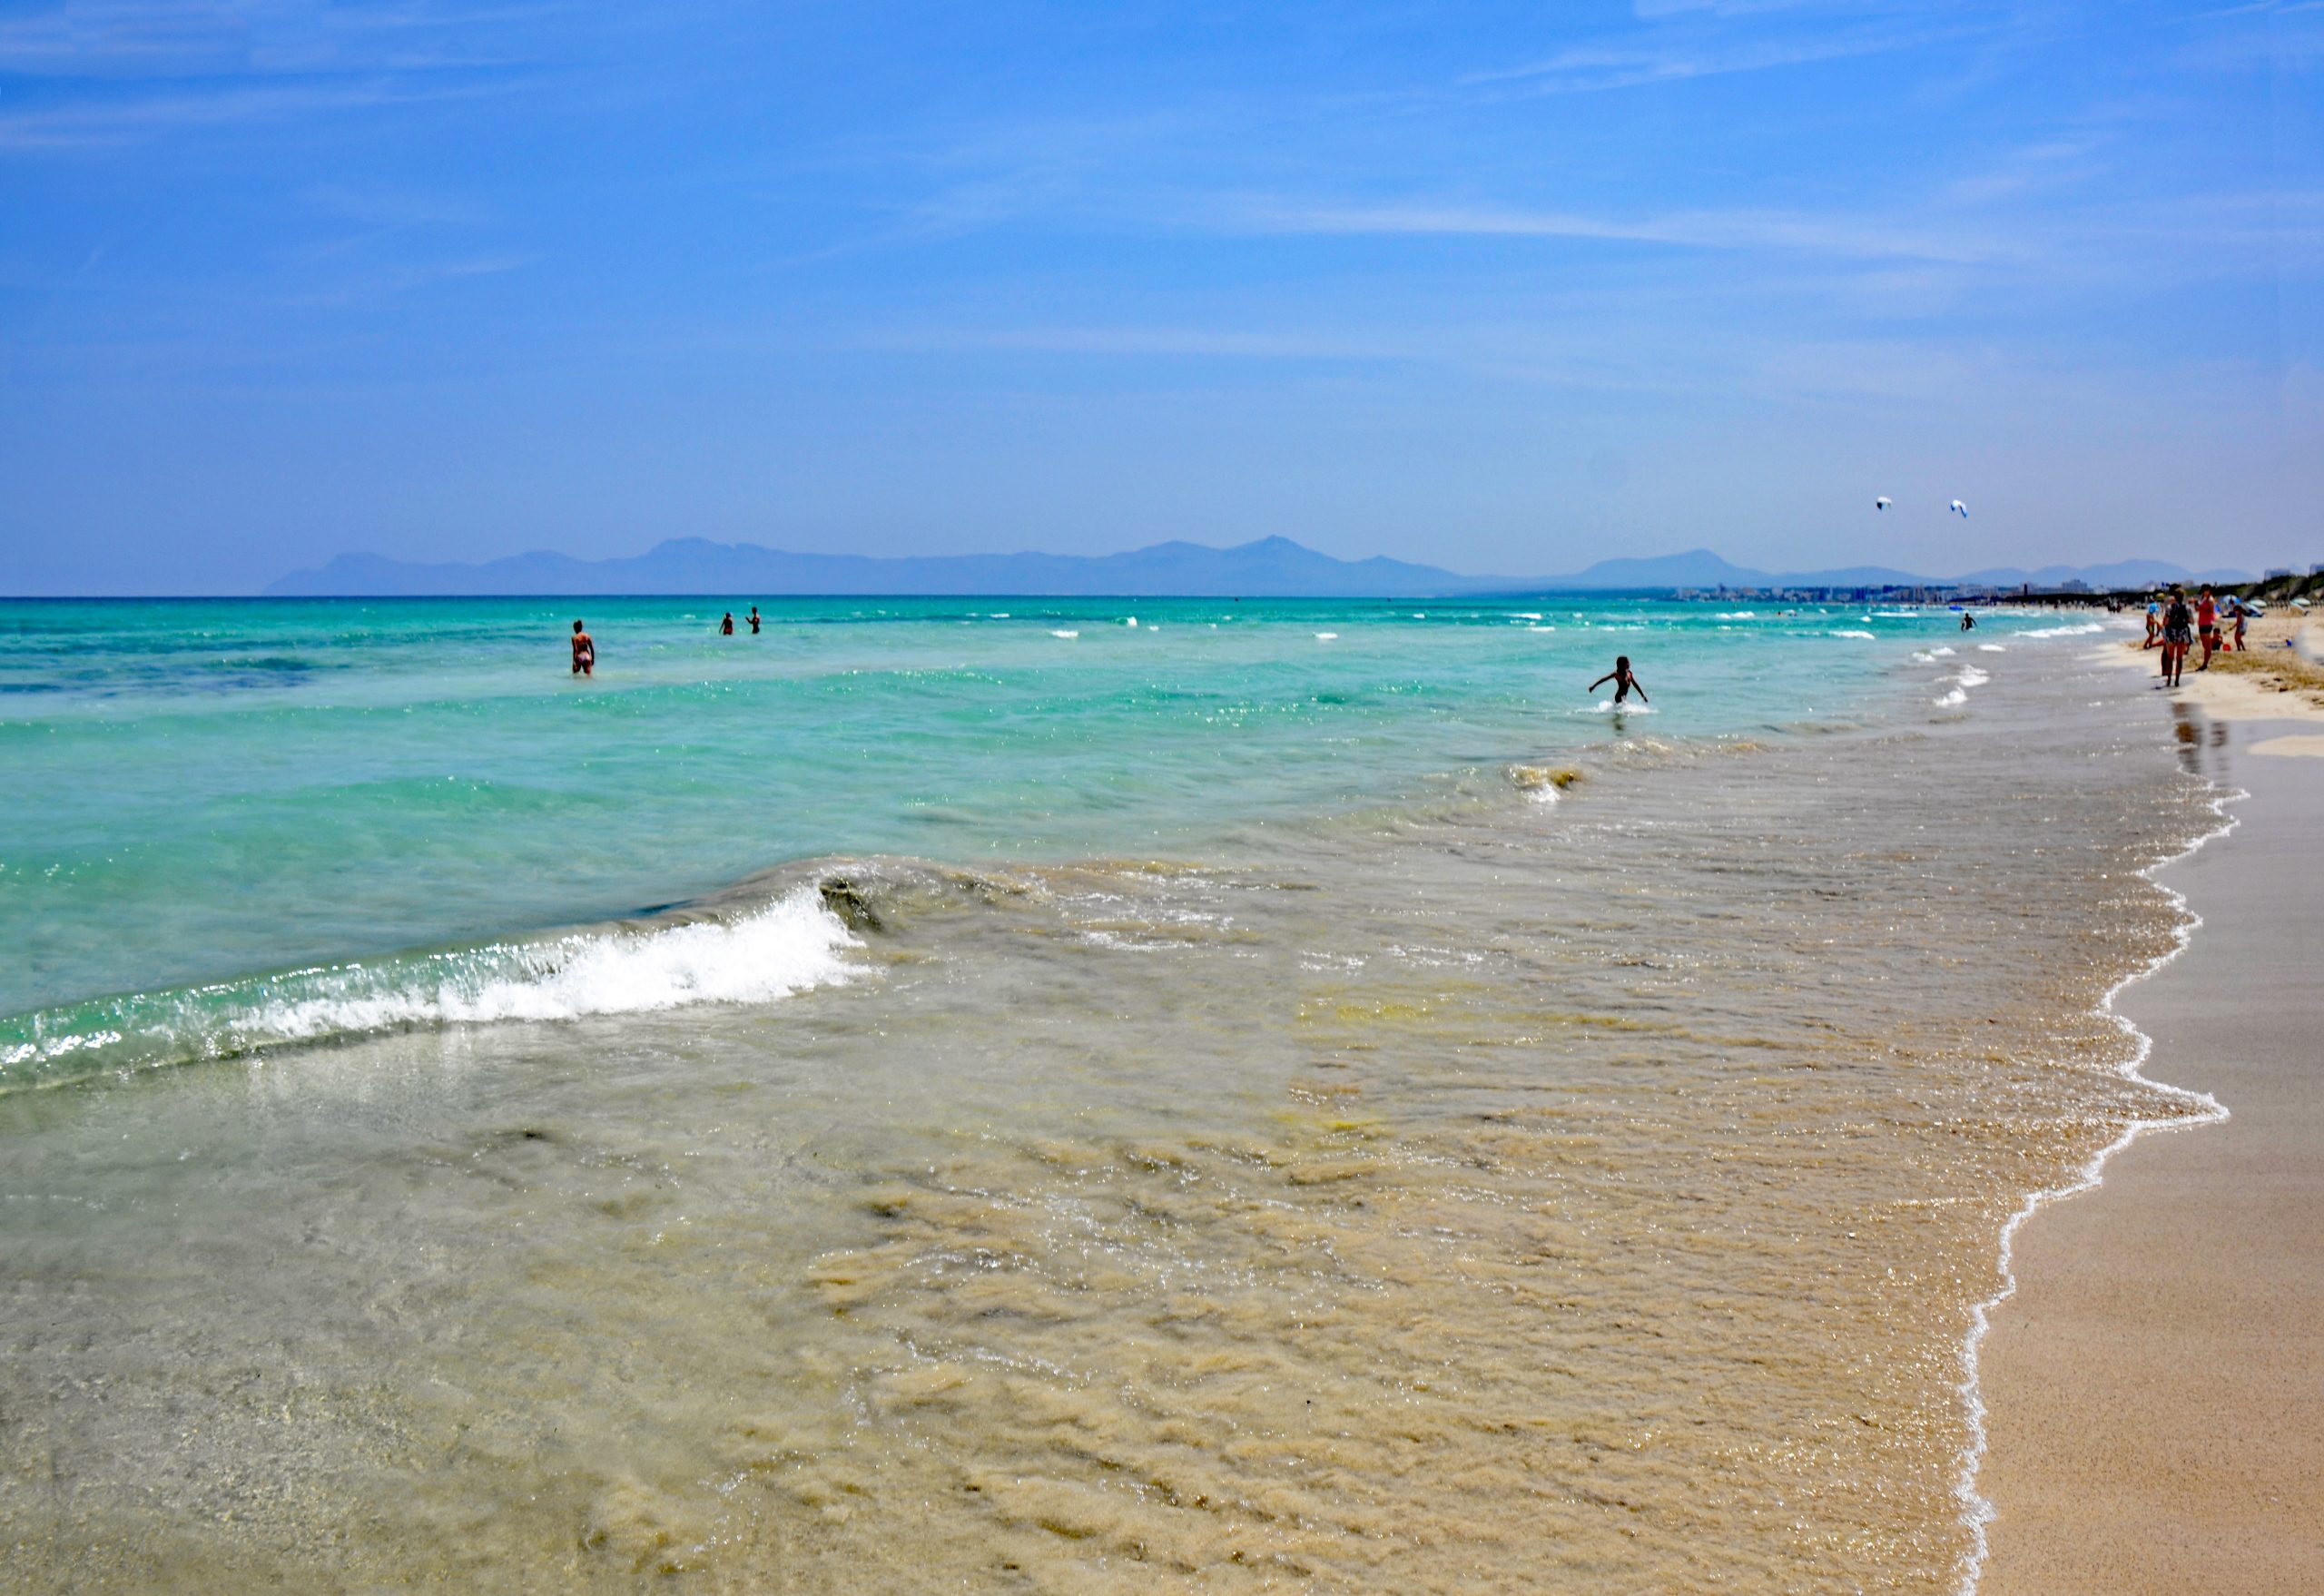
1194, 342
1651, 58
386, 282
115, 120
113, 38
1866, 239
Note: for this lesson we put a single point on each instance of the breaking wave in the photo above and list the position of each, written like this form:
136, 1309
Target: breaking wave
766, 952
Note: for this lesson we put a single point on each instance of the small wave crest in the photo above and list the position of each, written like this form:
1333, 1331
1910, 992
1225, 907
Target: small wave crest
1542, 784
1867, 637
2086, 627
768, 952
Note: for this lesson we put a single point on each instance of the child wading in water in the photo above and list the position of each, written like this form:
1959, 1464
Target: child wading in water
1622, 680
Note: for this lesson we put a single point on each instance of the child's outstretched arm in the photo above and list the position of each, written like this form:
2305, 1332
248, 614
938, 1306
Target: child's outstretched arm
1601, 682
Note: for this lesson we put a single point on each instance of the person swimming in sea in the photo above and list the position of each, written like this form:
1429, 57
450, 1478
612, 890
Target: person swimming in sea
754, 620
585, 652
726, 626
1968, 622
1623, 681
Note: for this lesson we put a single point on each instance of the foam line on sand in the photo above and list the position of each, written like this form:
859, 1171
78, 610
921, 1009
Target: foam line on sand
1976, 1512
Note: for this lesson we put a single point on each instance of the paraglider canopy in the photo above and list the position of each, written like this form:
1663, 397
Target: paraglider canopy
1881, 503
1960, 509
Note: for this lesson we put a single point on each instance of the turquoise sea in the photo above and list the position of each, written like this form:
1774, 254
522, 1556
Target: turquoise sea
205, 791
1013, 1095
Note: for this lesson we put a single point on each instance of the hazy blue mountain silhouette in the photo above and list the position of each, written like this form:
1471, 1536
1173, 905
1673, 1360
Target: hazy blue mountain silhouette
1269, 568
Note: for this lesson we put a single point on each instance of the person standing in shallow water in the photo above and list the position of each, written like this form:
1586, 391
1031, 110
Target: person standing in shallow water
726, 626
754, 620
1623, 682
585, 652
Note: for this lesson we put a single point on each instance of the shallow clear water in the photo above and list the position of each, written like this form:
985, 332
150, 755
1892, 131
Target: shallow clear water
1303, 1113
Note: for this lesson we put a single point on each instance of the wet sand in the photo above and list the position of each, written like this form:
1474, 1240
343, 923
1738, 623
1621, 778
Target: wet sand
2157, 1417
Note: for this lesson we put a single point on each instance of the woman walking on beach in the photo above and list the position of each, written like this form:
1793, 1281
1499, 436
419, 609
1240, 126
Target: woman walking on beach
2178, 635
2207, 625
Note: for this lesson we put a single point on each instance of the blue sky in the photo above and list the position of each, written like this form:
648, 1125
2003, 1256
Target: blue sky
1506, 288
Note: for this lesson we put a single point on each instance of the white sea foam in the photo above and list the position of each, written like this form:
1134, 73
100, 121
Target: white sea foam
1951, 700
786, 946
1991, 648
1326, 636
1739, 615
1971, 676
1865, 636
1976, 1511
1064, 634
2086, 627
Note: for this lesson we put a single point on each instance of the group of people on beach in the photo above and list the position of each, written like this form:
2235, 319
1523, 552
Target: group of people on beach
2176, 627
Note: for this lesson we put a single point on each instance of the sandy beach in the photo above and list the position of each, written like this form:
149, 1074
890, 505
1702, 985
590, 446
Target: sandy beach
2156, 1421
2278, 674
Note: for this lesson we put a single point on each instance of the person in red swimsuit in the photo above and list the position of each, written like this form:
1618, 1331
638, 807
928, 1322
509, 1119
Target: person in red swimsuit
2207, 625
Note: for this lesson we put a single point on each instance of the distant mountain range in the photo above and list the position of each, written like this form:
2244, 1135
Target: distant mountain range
1272, 567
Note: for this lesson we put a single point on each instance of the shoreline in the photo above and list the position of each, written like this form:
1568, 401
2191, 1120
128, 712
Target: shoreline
1978, 1509
2138, 1386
